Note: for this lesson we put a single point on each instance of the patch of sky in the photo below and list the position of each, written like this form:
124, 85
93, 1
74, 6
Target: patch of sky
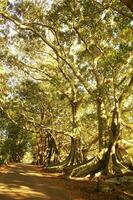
130, 44
117, 47
10, 30
92, 83
103, 15
2, 26
131, 23
12, 82
3, 134
11, 96
114, 34
15, 1
85, 65
11, 1
13, 8
99, 1
49, 3
64, 28
81, 88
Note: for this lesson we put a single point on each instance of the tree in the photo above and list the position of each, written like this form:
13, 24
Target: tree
87, 49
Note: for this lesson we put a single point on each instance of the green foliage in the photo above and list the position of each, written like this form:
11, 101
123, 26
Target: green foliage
69, 53
15, 143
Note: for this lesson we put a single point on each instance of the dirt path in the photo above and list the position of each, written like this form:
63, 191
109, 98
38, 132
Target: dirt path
27, 182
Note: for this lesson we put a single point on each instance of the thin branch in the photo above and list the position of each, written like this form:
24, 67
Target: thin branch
26, 27
82, 39
121, 12
126, 89
128, 3
49, 27
127, 126
8, 116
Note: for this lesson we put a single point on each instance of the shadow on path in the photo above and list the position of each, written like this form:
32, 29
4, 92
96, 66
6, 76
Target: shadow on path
27, 182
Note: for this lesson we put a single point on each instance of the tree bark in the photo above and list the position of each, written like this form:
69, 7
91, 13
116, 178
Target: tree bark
101, 163
101, 125
128, 3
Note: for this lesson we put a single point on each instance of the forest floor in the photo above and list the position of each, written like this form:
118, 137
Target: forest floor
28, 182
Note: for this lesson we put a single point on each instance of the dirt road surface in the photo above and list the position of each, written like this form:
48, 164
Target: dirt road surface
27, 182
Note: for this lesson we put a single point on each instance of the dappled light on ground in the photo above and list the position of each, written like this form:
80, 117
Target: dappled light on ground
27, 182
31, 174
19, 192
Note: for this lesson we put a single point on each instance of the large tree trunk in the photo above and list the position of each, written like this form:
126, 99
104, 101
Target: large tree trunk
40, 149
76, 154
73, 159
101, 129
106, 161
51, 151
